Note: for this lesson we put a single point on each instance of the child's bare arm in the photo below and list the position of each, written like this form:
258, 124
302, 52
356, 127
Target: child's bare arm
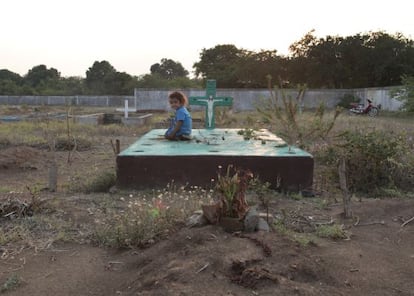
178, 125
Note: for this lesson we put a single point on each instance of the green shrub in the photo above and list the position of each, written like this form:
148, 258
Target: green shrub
10, 284
101, 183
63, 143
375, 159
347, 99
334, 231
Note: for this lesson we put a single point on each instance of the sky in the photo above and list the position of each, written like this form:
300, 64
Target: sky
132, 35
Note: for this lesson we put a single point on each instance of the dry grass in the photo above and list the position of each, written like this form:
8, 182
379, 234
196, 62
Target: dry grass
135, 218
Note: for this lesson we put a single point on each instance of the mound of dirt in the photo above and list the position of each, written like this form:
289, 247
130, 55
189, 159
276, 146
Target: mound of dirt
377, 259
21, 157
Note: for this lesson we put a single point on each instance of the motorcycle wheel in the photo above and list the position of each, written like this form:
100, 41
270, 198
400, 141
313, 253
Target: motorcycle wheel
373, 112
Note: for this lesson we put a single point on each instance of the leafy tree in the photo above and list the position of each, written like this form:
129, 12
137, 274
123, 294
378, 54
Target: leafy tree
9, 75
169, 69
103, 79
391, 56
406, 93
40, 76
156, 81
303, 47
220, 63
372, 59
73, 85
9, 87
10, 82
254, 67
97, 76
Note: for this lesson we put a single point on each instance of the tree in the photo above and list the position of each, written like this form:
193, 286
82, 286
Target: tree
406, 93
98, 75
368, 60
9, 75
72, 85
41, 76
120, 83
103, 79
220, 63
169, 69
10, 82
156, 81
254, 67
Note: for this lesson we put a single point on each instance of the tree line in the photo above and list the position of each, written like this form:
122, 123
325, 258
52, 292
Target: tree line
374, 59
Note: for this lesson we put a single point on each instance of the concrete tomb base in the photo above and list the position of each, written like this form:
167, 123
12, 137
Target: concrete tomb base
153, 161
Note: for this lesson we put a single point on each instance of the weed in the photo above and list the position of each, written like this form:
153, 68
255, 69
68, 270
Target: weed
303, 239
322, 203
375, 159
295, 195
10, 284
334, 231
38, 231
286, 114
101, 182
64, 143
232, 187
247, 133
149, 216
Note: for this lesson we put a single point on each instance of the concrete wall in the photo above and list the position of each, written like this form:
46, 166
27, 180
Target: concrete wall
247, 99
243, 99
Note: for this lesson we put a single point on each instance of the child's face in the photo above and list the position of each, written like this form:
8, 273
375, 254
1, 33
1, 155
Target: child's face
174, 103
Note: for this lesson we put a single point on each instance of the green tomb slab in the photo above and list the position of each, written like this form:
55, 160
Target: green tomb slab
153, 161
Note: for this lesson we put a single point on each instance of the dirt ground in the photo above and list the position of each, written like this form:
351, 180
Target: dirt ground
376, 257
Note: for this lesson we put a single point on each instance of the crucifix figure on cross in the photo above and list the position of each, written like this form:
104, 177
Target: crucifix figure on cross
210, 101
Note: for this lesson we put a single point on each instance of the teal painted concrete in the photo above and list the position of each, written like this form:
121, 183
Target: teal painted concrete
219, 142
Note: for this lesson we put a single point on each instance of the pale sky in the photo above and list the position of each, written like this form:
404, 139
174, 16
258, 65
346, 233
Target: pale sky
70, 35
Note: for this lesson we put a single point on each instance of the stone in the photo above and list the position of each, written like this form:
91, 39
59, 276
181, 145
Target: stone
196, 220
262, 225
251, 219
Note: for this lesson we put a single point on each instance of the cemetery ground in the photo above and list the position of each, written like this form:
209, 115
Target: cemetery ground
87, 239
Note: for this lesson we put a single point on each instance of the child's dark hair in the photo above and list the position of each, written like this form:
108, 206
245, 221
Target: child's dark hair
180, 97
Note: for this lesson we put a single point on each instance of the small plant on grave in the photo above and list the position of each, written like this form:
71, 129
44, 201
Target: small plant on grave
247, 133
231, 189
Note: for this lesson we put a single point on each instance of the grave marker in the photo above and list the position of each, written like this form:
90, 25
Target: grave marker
210, 101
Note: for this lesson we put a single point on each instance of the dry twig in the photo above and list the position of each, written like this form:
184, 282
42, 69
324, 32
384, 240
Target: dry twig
408, 221
202, 268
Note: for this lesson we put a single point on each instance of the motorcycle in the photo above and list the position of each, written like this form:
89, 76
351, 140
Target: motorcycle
360, 109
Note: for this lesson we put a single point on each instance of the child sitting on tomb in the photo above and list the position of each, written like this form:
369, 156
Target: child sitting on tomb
181, 124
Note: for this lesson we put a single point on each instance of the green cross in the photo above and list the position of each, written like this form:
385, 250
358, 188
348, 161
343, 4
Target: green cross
210, 101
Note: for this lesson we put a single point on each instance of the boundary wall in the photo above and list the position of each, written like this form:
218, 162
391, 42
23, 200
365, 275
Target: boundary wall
243, 99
